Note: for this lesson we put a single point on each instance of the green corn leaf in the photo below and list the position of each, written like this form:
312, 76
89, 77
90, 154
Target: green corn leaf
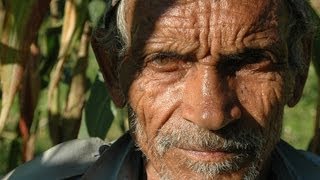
98, 114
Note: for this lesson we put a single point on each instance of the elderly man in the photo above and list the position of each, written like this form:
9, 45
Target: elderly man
205, 82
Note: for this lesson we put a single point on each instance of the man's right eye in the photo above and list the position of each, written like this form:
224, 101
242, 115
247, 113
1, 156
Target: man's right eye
164, 64
161, 62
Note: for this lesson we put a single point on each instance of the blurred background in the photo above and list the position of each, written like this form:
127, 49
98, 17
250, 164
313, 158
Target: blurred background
52, 90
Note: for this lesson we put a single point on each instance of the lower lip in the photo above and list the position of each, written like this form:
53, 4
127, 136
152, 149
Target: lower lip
207, 155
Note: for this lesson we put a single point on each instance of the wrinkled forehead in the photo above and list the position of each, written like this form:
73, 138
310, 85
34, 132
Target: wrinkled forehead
245, 8
241, 9
146, 14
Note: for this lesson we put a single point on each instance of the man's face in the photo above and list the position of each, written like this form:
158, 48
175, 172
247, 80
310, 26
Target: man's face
214, 78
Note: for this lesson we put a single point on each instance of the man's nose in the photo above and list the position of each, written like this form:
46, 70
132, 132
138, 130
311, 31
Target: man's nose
208, 100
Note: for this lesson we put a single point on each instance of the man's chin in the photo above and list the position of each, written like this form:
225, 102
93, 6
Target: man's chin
208, 165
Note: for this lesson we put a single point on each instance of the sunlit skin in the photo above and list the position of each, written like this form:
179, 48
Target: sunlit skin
211, 63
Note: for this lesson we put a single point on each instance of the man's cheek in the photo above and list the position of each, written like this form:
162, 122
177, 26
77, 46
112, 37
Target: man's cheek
261, 100
162, 103
153, 102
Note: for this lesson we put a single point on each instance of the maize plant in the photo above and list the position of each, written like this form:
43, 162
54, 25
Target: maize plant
47, 70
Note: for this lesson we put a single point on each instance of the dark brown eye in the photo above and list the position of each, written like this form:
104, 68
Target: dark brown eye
161, 62
164, 65
167, 62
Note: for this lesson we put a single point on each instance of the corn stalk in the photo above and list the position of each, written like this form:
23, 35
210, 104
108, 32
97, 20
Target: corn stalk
21, 21
76, 97
74, 17
29, 95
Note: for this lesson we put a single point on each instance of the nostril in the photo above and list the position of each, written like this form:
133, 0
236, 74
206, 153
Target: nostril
235, 113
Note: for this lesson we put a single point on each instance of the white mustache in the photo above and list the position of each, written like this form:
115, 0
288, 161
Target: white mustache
188, 136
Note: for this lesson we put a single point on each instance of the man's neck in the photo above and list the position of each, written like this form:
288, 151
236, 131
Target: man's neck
266, 172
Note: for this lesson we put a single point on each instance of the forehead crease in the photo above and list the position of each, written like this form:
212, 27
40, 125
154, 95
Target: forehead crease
166, 41
228, 13
233, 16
228, 20
249, 9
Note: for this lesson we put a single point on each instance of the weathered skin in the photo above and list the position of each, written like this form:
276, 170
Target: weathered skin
196, 67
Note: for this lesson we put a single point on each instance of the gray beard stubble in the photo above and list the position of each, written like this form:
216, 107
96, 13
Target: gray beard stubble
249, 144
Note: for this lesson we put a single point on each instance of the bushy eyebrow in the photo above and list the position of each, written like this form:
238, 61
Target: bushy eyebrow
248, 55
171, 55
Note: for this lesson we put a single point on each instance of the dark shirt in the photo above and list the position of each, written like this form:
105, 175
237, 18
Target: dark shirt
93, 159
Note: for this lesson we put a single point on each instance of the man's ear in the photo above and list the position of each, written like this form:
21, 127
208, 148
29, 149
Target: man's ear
108, 61
301, 74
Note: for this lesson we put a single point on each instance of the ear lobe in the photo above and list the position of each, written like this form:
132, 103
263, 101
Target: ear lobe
301, 74
107, 60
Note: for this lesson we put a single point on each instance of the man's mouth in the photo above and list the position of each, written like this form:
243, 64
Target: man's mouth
206, 155
215, 155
